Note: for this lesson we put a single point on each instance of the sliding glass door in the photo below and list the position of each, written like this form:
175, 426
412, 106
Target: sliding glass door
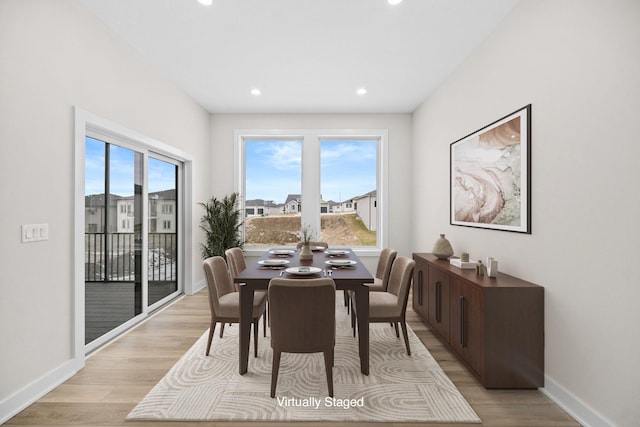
131, 236
162, 262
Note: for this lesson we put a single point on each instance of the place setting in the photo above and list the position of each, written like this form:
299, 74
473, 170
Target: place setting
281, 253
273, 264
341, 263
336, 252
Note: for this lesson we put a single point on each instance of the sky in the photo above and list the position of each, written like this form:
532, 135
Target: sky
273, 169
161, 174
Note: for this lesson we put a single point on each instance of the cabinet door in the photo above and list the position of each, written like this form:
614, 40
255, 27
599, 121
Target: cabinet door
420, 289
438, 301
466, 323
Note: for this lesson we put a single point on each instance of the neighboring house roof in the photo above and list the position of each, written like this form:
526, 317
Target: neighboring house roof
369, 194
260, 202
293, 198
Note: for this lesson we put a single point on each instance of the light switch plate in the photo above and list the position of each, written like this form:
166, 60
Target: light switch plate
34, 232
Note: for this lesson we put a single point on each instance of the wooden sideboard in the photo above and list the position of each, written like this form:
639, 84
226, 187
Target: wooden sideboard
494, 325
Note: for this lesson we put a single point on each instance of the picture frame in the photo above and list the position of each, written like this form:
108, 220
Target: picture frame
490, 175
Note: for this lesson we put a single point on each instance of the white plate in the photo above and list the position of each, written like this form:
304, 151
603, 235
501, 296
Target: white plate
273, 262
282, 252
340, 262
317, 248
303, 271
336, 252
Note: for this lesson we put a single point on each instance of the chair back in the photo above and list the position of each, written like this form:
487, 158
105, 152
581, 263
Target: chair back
302, 314
383, 271
218, 281
400, 280
236, 261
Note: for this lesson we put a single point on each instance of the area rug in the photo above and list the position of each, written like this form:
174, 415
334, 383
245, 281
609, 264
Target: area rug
399, 388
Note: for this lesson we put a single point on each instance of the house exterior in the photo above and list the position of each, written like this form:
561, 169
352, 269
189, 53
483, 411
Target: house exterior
260, 207
366, 208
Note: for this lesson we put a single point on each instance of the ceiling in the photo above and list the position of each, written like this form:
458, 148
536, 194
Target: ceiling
305, 56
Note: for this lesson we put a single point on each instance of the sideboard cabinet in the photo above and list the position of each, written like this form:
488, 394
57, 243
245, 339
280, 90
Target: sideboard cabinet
494, 325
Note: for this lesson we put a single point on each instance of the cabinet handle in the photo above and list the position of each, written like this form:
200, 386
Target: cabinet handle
420, 287
463, 341
438, 302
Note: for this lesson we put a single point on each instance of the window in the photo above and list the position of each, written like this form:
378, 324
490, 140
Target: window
167, 208
330, 180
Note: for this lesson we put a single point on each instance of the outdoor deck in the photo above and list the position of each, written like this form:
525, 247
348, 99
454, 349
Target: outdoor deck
109, 304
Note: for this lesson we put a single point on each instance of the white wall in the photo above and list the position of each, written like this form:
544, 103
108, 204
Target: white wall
56, 55
399, 140
578, 64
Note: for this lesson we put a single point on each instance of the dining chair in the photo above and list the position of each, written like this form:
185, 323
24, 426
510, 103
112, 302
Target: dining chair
324, 245
383, 270
224, 300
391, 305
303, 320
237, 263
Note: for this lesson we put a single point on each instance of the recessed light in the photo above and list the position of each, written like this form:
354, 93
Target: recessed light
361, 91
205, 2
255, 92
394, 2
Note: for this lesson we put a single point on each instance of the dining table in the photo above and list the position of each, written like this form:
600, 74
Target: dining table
340, 264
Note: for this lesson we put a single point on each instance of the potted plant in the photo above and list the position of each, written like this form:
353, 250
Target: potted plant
307, 236
221, 224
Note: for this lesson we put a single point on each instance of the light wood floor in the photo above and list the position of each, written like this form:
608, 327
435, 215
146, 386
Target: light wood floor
118, 376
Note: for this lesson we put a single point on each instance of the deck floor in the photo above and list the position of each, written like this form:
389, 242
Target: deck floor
110, 304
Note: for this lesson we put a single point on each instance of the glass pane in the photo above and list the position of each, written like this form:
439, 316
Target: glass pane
163, 218
348, 211
272, 192
113, 240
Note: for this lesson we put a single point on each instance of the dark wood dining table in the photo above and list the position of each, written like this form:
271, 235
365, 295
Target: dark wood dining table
256, 277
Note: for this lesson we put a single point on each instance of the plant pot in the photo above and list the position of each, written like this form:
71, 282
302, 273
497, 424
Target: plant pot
305, 253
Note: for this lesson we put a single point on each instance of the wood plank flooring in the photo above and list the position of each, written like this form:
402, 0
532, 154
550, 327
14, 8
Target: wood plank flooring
119, 375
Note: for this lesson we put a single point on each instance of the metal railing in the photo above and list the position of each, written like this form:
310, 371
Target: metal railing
112, 258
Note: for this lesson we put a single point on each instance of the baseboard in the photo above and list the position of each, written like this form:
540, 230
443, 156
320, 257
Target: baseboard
571, 404
34, 391
196, 287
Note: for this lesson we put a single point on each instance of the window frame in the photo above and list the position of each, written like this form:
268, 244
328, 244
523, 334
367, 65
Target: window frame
311, 177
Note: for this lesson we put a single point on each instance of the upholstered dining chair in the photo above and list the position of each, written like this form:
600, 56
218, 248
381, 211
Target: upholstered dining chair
324, 245
383, 270
303, 320
235, 261
391, 305
224, 300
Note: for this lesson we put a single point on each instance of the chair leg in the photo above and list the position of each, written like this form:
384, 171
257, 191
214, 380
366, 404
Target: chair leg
406, 336
255, 337
353, 321
264, 322
275, 367
328, 367
221, 329
347, 300
397, 333
212, 329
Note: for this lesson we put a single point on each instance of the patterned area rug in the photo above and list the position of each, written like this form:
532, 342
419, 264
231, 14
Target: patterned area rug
399, 388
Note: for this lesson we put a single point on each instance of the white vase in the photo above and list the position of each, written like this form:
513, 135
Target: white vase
442, 249
305, 253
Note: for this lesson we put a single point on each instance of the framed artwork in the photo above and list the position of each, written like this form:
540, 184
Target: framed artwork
491, 175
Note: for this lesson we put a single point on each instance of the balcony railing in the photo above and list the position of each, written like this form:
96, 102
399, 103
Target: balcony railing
115, 262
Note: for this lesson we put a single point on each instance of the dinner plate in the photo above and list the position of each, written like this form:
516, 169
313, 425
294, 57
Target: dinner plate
272, 262
282, 252
340, 262
303, 271
317, 248
336, 252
